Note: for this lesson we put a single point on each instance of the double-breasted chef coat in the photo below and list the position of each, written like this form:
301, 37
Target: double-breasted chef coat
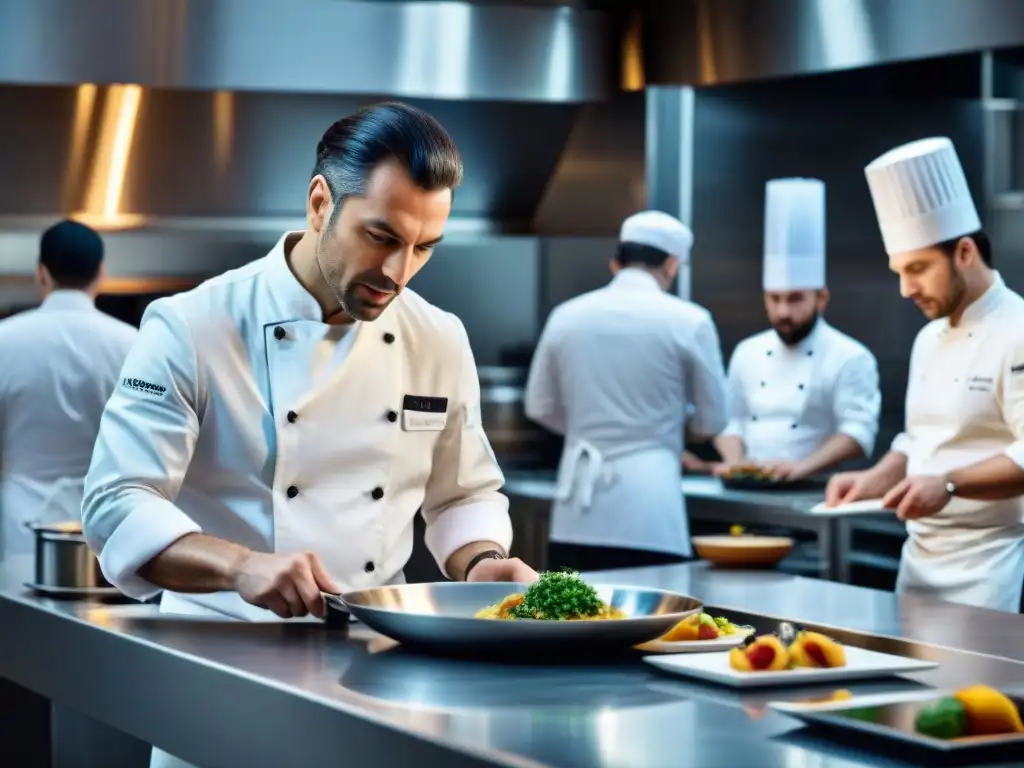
617, 371
242, 415
965, 404
786, 401
59, 364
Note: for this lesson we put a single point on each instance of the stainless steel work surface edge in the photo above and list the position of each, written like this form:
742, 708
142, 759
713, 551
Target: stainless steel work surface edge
250, 679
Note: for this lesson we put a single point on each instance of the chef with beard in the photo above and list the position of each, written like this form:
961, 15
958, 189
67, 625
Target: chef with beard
804, 396
956, 472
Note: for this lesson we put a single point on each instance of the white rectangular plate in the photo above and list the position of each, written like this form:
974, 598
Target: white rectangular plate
825, 714
854, 507
861, 664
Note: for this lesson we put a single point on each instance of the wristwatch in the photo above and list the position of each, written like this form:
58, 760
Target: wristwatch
950, 487
487, 554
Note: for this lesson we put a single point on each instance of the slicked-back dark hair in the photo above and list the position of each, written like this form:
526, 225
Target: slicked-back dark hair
351, 148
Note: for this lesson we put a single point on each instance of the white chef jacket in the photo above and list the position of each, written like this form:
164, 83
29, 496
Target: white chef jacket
965, 404
787, 401
222, 425
617, 371
58, 365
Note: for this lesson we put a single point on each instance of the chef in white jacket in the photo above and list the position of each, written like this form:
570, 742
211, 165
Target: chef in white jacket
957, 471
59, 364
616, 371
804, 397
277, 428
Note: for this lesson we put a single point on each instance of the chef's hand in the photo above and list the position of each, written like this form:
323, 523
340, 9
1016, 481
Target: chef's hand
698, 466
288, 585
785, 470
512, 569
846, 487
917, 496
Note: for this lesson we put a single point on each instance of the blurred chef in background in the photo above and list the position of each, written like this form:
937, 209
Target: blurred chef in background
804, 397
59, 364
616, 371
956, 472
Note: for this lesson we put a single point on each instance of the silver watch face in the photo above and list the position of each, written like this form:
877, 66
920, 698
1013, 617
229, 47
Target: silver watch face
951, 488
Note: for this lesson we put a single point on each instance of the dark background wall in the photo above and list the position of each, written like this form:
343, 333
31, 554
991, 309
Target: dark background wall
828, 128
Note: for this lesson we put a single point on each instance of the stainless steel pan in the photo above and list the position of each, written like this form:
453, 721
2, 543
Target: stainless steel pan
440, 617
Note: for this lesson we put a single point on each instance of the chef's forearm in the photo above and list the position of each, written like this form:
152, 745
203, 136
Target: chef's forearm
730, 448
890, 469
458, 562
196, 563
990, 480
836, 449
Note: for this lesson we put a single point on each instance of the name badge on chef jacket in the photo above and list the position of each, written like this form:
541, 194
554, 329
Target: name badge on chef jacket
424, 414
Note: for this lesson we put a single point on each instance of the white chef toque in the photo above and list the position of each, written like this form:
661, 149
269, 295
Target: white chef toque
658, 230
794, 235
921, 195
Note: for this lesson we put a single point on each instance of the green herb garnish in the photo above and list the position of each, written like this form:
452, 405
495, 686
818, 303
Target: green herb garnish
558, 595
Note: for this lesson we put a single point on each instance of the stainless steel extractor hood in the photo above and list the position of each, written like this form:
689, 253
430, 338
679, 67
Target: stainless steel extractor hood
410, 49
711, 42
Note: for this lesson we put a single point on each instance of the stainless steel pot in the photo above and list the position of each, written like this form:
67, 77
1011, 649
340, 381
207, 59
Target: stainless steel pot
64, 559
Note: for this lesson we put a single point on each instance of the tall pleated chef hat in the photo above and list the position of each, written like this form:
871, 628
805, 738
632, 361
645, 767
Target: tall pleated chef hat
658, 230
794, 235
921, 195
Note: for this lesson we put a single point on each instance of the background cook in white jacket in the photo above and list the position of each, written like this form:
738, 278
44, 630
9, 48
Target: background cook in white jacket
58, 365
804, 397
616, 371
955, 474
277, 427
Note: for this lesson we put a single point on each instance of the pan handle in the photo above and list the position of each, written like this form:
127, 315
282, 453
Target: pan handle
336, 606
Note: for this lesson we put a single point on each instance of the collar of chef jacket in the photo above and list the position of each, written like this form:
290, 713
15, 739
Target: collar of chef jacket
632, 278
287, 299
66, 299
981, 307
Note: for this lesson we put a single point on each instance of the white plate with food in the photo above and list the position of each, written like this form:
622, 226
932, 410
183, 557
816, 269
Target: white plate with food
701, 633
972, 718
811, 658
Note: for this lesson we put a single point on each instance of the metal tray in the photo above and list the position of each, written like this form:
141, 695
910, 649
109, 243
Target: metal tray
886, 721
763, 484
439, 617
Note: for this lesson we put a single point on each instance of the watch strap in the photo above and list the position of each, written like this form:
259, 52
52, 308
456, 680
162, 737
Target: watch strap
487, 554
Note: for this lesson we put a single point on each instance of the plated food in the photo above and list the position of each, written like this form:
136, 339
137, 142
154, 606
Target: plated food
555, 596
794, 656
975, 711
977, 722
746, 472
701, 626
768, 653
698, 634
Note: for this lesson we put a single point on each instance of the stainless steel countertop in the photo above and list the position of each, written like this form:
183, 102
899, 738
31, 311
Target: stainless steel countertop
220, 693
541, 486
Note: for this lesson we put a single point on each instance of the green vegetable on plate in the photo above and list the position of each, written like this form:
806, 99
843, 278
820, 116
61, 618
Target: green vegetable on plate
558, 595
943, 719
